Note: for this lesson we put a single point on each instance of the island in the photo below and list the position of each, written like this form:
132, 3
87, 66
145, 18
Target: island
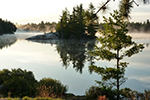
80, 24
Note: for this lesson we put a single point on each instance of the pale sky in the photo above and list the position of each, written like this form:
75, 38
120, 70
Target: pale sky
27, 11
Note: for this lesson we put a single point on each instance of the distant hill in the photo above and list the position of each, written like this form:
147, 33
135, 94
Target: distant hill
7, 27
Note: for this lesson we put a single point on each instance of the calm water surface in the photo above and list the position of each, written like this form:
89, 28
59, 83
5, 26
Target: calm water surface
69, 61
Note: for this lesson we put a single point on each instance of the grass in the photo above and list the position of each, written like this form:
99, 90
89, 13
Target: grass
28, 98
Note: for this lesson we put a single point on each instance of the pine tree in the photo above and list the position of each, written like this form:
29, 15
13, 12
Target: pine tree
115, 44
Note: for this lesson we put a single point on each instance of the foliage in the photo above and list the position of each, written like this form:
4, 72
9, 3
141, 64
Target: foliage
115, 44
78, 23
48, 87
44, 91
102, 98
94, 92
7, 27
26, 98
17, 82
128, 93
20, 83
147, 94
125, 8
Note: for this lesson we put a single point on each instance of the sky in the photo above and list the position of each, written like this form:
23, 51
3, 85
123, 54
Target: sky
35, 11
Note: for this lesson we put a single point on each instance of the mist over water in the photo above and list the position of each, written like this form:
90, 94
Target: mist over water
44, 59
140, 36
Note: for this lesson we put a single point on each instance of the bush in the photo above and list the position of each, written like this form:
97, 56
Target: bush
48, 87
26, 98
9, 98
20, 83
17, 83
95, 92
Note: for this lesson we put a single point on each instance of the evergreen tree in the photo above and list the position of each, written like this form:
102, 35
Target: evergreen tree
115, 44
125, 7
75, 25
62, 26
91, 20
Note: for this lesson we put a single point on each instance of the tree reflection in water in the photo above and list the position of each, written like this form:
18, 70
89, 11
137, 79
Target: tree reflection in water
7, 40
73, 52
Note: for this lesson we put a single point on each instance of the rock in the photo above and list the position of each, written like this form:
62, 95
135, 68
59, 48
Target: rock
46, 36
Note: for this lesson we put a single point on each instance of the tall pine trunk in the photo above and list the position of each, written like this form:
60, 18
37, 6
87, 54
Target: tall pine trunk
118, 76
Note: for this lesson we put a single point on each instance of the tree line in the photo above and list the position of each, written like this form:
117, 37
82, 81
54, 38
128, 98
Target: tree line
139, 26
7, 27
135, 26
40, 27
52, 26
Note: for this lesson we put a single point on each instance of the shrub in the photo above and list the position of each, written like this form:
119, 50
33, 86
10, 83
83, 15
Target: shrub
16, 99
17, 83
26, 98
50, 87
9, 98
102, 98
95, 92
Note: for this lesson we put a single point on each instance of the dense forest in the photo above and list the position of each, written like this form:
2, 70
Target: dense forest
7, 27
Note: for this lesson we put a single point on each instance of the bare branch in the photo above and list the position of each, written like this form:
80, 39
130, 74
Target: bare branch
135, 2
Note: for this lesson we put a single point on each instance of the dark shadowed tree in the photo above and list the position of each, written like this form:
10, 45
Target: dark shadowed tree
7, 27
17, 82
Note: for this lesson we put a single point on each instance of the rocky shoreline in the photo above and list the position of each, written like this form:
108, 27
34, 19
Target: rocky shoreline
46, 36
56, 35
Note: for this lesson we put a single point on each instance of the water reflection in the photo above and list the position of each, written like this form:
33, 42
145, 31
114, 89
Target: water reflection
7, 40
147, 44
43, 59
73, 52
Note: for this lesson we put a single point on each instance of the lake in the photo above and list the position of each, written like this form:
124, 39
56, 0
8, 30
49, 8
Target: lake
68, 61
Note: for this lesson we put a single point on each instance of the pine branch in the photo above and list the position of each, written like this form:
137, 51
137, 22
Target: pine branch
102, 6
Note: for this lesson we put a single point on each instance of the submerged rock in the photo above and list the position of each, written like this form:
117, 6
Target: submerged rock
46, 36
